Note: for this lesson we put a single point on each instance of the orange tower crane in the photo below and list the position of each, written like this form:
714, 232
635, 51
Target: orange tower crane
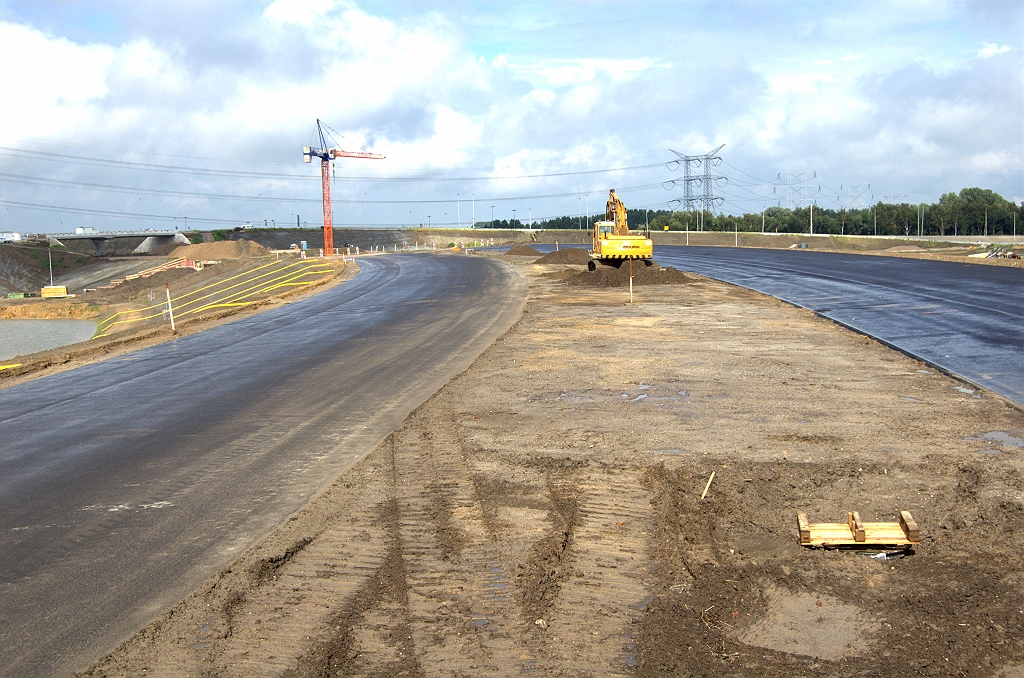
326, 155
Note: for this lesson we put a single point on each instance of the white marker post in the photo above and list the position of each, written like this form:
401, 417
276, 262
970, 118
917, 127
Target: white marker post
631, 281
170, 311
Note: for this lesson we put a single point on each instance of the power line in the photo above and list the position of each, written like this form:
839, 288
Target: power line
43, 181
203, 171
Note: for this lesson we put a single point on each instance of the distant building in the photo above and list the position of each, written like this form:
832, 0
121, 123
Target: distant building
11, 237
85, 230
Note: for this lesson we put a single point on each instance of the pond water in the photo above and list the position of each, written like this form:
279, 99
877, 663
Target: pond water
21, 337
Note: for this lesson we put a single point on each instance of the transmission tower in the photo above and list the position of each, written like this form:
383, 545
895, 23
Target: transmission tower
796, 186
704, 180
855, 196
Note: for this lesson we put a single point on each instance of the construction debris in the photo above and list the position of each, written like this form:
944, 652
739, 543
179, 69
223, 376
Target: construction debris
855, 532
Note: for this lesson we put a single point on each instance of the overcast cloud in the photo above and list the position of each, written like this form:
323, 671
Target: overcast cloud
915, 98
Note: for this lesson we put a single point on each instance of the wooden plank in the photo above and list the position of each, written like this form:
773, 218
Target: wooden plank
855, 532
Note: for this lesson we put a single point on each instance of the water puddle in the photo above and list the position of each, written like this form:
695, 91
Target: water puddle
673, 450
967, 391
998, 438
26, 336
925, 372
1004, 439
480, 621
640, 397
496, 586
909, 399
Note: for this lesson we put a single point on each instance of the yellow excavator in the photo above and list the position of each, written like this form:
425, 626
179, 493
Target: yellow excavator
613, 243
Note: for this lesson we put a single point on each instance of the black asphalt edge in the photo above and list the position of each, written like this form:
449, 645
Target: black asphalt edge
899, 349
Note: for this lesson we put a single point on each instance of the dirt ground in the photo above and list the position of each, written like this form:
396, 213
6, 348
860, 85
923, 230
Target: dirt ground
542, 513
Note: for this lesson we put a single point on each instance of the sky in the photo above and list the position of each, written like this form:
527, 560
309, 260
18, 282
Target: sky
193, 114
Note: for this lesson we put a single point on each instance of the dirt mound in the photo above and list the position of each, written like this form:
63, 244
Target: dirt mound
226, 249
569, 255
523, 251
607, 276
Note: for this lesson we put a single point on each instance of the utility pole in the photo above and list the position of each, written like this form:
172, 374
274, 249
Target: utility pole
762, 222
459, 208
986, 222
492, 216
474, 210
812, 218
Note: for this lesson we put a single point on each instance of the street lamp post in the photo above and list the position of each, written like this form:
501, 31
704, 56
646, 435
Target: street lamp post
513, 216
492, 216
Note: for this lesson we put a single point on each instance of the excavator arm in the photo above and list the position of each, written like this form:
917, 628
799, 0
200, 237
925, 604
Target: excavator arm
615, 212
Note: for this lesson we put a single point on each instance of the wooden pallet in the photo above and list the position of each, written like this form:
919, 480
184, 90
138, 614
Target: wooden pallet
855, 532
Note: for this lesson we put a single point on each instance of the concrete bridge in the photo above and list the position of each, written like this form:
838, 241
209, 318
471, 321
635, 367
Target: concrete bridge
116, 243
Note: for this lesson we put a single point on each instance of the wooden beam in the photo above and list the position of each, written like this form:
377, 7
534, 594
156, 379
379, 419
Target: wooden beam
856, 526
909, 526
804, 527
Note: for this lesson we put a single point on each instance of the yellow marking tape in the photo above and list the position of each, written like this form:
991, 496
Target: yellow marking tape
12, 365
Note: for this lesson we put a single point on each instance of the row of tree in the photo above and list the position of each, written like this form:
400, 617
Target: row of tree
972, 211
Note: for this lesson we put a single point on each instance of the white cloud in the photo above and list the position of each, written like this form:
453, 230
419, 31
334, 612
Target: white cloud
990, 49
301, 12
47, 83
567, 72
799, 83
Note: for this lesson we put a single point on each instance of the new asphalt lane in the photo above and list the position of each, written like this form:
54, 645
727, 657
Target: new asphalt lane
125, 483
967, 319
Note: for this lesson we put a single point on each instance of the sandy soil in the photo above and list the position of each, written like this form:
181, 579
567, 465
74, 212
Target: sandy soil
226, 249
541, 514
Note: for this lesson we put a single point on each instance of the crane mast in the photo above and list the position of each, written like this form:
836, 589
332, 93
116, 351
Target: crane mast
326, 155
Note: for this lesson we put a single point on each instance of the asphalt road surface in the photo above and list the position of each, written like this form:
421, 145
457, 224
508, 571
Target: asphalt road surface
967, 319
125, 483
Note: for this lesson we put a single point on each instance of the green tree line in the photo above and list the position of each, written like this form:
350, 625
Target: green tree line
972, 211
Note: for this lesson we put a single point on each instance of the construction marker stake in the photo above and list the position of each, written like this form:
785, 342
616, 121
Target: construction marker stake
708, 486
170, 311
